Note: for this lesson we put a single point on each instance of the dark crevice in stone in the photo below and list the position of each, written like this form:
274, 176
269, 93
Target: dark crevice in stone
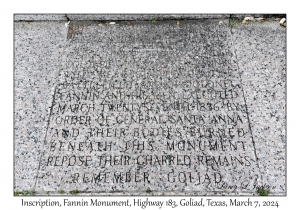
242, 16
68, 19
274, 16
230, 19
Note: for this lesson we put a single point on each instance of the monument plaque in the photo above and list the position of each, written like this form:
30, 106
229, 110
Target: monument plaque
156, 107
149, 109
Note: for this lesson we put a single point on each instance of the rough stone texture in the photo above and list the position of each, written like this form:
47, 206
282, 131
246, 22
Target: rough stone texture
158, 67
39, 17
258, 15
143, 16
130, 67
38, 48
76, 17
261, 56
246, 15
107, 17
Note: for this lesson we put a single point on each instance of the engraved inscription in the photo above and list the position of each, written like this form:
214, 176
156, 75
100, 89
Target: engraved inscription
161, 109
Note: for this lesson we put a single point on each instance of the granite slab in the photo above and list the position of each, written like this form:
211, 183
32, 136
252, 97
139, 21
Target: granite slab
40, 17
261, 55
103, 17
38, 48
149, 106
189, 107
77, 17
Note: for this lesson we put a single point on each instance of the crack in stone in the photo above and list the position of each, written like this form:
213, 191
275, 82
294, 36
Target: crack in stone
68, 19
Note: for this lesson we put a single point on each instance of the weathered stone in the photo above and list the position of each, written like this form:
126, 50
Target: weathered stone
142, 108
161, 112
77, 17
38, 48
261, 55
39, 17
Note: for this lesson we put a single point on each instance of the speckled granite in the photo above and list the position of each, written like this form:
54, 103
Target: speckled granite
261, 55
76, 17
246, 15
242, 16
39, 17
185, 94
38, 48
160, 105
104, 17
143, 16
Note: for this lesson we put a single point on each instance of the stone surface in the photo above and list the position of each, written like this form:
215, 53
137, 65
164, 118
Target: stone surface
39, 17
107, 17
247, 15
143, 16
195, 108
156, 110
261, 55
76, 17
38, 48
258, 15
